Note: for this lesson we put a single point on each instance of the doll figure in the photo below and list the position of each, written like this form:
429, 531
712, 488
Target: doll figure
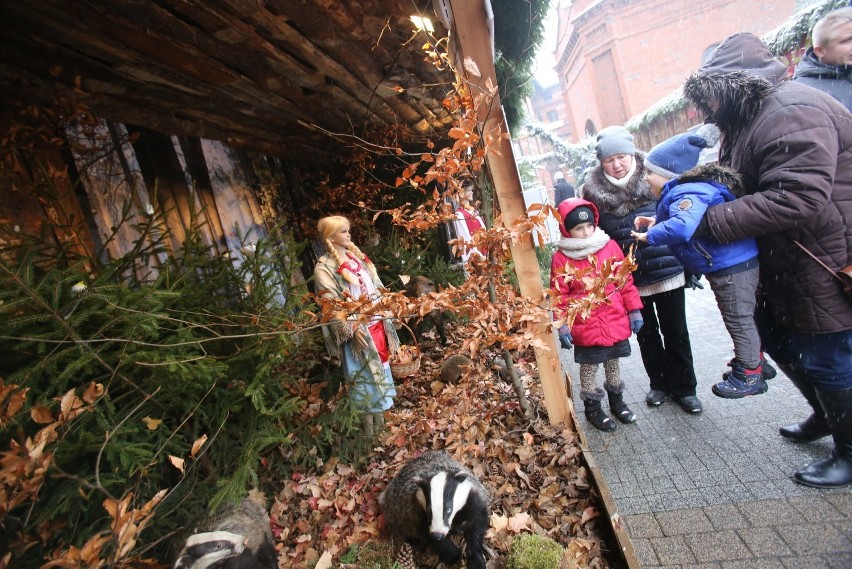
362, 349
468, 221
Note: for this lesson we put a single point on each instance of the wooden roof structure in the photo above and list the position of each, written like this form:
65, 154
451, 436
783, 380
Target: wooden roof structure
276, 76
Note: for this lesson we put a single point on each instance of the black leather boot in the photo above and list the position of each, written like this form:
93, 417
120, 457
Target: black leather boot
597, 416
814, 427
835, 471
619, 408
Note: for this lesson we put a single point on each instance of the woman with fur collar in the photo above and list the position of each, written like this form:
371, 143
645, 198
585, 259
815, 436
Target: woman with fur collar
362, 349
793, 147
618, 189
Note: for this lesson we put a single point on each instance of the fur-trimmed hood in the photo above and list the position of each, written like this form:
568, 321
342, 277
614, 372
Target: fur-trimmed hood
614, 200
715, 173
739, 75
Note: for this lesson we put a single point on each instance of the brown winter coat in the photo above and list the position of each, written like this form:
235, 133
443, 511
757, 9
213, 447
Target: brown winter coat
793, 147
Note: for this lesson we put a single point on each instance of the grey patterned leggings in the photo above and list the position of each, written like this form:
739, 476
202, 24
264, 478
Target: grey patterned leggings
612, 382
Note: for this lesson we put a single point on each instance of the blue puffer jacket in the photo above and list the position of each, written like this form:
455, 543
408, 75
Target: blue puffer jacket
682, 204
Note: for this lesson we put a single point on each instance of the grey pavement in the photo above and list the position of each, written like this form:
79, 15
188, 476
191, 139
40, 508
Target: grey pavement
716, 489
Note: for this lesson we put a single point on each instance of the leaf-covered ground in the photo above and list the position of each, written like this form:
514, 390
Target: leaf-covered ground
532, 469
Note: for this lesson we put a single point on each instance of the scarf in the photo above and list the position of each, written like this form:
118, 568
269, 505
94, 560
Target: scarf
626, 179
579, 249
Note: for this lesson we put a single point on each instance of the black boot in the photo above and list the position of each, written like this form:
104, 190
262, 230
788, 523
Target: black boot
597, 416
835, 471
814, 427
619, 408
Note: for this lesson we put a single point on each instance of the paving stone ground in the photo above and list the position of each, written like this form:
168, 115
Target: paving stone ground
715, 490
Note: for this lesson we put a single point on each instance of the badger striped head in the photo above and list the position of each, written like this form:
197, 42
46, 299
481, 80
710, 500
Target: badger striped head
442, 496
209, 549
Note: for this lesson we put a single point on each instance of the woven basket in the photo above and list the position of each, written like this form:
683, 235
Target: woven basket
400, 371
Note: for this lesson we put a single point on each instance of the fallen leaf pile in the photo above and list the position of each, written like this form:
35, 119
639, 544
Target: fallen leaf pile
532, 469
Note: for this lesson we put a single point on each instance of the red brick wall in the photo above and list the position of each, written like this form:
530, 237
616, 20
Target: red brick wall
655, 45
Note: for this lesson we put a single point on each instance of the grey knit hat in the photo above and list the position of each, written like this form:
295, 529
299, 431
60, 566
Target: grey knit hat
614, 140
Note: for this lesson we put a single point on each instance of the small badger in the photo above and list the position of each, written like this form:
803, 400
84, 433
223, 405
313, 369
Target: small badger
237, 537
432, 496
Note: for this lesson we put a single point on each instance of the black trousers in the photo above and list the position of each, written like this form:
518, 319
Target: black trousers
667, 357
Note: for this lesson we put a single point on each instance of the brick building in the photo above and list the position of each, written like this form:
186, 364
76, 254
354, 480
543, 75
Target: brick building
618, 57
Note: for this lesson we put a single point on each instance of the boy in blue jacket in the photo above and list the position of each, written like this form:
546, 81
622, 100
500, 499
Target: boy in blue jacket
685, 192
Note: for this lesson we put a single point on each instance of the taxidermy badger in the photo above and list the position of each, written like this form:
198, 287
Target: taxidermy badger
432, 496
238, 537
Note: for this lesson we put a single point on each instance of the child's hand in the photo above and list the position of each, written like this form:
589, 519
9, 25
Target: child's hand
641, 237
636, 321
565, 338
644, 221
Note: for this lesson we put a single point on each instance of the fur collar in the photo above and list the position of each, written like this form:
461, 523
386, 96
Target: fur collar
740, 95
611, 199
715, 173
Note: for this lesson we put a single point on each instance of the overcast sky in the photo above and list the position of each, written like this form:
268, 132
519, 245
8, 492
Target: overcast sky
545, 62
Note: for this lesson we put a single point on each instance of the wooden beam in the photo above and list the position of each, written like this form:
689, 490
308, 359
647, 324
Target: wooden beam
471, 35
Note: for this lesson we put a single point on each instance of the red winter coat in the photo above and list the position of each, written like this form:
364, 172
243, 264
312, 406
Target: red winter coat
608, 324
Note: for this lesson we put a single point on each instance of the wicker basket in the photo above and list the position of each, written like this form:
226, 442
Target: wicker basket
401, 371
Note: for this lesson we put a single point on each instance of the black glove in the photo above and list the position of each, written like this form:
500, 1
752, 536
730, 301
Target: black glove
694, 281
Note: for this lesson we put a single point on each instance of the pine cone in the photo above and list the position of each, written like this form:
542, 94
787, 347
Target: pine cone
537, 477
495, 469
405, 557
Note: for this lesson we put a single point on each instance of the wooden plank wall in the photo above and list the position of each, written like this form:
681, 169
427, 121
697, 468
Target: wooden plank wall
122, 172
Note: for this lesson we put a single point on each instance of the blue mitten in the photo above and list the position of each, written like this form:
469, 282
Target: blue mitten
635, 321
565, 338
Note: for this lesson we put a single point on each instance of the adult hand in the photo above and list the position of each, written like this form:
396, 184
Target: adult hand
566, 340
360, 338
644, 221
694, 281
636, 321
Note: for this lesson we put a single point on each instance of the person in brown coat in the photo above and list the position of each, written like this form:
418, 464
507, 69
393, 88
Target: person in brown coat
793, 147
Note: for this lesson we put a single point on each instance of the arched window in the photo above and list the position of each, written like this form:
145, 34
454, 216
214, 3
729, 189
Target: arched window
591, 129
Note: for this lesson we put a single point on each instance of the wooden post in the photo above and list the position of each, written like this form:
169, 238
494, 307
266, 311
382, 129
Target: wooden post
472, 37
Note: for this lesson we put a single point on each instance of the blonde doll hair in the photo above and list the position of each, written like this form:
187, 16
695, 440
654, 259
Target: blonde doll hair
328, 226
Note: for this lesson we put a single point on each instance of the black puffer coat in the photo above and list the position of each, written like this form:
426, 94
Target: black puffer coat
793, 147
836, 80
618, 208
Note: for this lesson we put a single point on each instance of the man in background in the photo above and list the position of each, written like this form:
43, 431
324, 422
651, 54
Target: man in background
562, 190
827, 65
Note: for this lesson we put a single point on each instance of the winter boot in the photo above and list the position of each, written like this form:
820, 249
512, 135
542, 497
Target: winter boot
835, 471
619, 408
597, 416
814, 427
769, 372
741, 382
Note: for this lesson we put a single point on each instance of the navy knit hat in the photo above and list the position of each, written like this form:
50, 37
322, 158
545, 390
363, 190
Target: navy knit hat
678, 154
578, 215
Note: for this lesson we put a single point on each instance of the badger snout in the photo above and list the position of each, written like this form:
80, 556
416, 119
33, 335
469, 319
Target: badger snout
438, 535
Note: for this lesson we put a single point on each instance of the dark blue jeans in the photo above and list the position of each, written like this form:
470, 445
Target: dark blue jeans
823, 360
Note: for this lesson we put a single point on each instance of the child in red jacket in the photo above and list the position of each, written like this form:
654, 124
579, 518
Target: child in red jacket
602, 337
